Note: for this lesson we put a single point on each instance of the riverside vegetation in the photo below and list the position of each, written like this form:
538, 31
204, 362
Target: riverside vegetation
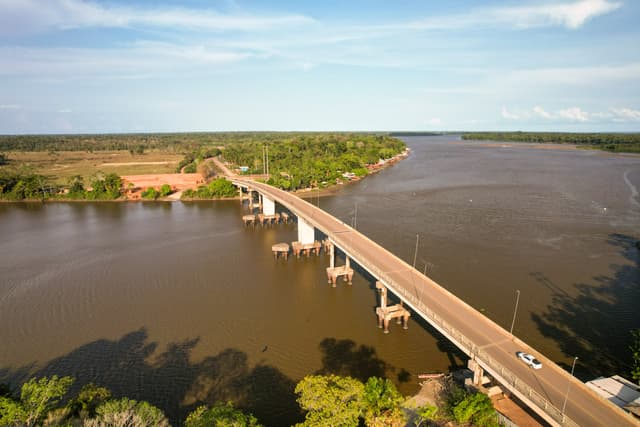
327, 400
49, 167
614, 142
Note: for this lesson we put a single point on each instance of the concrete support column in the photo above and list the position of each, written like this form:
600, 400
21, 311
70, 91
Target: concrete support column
306, 232
268, 206
383, 296
477, 370
332, 255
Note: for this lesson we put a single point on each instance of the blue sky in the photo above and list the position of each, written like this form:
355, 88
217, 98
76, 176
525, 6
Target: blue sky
92, 66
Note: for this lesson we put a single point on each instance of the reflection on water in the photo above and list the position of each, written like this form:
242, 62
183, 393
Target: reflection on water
179, 303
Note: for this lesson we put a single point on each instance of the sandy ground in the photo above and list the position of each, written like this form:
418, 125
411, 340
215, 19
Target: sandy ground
177, 181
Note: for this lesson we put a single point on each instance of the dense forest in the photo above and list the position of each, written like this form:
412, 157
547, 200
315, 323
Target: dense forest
312, 160
615, 142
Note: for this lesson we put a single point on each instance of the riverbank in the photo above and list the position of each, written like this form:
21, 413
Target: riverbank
134, 185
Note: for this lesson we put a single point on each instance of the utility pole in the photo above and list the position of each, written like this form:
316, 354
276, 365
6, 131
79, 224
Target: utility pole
513, 322
566, 396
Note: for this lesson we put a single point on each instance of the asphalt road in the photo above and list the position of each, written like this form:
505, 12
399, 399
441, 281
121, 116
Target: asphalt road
583, 407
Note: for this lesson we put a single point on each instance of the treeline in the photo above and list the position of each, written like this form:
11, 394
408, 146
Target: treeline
305, 160
616, 142
137, 143
325, 399
18, 186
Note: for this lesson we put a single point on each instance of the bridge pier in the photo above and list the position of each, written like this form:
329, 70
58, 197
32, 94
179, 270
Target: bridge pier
386, 313
478, 372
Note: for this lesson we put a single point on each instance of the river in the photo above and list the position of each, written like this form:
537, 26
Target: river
179, 303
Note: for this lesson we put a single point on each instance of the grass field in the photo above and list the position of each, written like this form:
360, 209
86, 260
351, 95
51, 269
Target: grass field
64, 164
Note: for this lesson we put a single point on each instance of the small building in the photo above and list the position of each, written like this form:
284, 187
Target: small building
619, 391
244, 169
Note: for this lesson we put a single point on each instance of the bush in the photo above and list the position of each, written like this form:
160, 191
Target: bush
150, 194
165, 190
190, 168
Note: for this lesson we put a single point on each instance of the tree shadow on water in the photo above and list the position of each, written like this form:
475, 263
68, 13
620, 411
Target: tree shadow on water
169, 380
595, 324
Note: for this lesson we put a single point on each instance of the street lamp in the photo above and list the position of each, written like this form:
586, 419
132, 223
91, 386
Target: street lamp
515, 311
566, 396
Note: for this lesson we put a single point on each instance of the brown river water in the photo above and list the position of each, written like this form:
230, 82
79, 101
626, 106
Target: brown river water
179, 303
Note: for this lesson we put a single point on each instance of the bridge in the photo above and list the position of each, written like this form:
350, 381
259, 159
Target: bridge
491, 348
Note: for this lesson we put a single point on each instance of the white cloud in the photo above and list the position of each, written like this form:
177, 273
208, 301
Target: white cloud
10, 107
569, 14
627, 114
542, 113
27, 16
65, 111
574, 113
508, 115
435, 121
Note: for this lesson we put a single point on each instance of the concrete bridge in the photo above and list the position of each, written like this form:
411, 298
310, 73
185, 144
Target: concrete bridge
491, 348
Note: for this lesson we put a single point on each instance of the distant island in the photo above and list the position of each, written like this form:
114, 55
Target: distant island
613, 142
161, 166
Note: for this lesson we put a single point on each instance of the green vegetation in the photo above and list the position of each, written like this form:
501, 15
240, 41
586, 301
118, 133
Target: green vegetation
220, 415
153, 194
217, 188
25, 186
312, 160
614, 142
38, 397
635, 355
466, 407
329, 400
30, 186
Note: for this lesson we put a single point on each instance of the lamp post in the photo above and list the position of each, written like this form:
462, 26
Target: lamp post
566, 395
515, 311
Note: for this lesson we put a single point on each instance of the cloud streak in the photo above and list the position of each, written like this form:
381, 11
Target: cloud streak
33, 16
571, 15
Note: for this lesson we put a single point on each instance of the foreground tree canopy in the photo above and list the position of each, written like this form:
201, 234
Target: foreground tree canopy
328, 400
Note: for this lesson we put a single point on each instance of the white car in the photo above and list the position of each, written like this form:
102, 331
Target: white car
529, 360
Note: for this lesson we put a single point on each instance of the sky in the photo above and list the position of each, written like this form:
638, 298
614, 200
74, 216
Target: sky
93, 66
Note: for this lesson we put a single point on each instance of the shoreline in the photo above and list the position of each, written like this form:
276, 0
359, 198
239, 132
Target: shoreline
305, 193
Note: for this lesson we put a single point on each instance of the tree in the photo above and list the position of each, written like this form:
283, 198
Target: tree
220, 415
635, 355
11, 412
3, 159
477, 409
39, 396
330, 400
425, 413
91, 396
127, 413
381, 403
76, 186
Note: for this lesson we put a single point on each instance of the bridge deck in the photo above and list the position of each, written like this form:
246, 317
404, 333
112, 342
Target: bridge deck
478, 336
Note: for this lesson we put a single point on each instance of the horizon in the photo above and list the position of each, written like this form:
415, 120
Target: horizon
74, 67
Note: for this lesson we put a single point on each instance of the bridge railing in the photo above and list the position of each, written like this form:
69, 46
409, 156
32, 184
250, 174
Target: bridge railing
465, 343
